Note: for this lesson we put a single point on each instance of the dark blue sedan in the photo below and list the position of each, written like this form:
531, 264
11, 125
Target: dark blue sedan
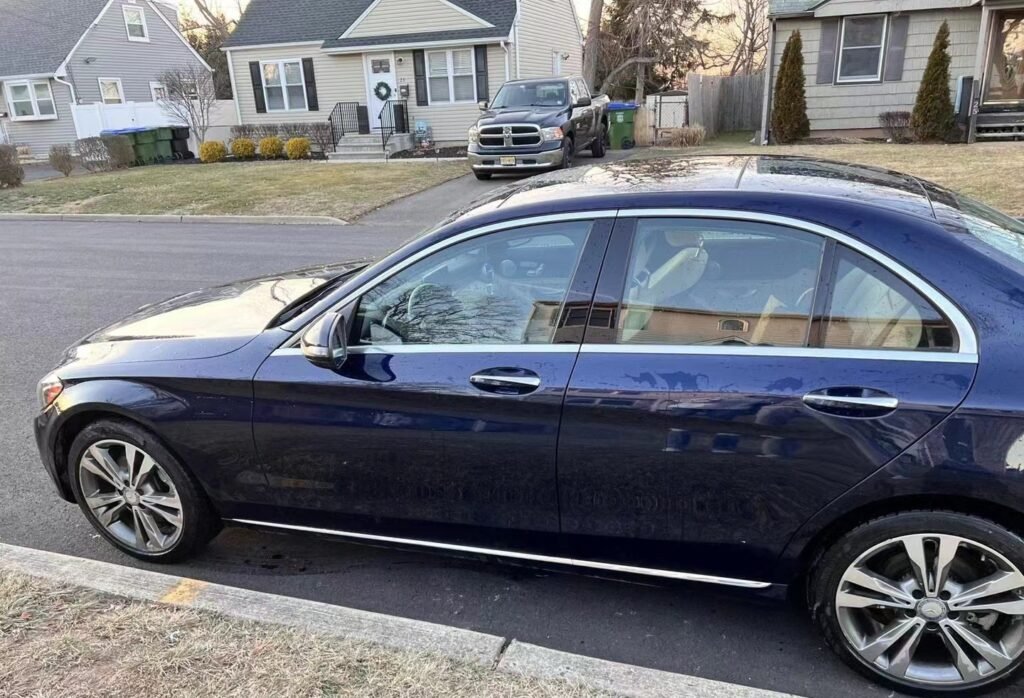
762, 372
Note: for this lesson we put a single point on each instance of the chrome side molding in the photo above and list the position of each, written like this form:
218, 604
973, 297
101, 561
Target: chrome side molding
588, 564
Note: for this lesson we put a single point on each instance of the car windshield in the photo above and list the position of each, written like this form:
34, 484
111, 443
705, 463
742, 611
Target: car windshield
992, 227
532, 94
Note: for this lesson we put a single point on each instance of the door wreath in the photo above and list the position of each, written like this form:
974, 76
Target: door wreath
382, 91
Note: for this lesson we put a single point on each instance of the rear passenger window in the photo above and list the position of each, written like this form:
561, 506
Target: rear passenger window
871, 308
711, 282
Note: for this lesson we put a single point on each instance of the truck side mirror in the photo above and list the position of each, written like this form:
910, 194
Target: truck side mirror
584, 101
482, 104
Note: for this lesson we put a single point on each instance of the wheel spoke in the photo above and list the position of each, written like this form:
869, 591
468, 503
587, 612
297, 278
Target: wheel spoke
914, 547
99, 463
167, 506
155, 539
877, 645
948, 546
875, 582
931, 575
966, 668
998, 583
1014, 607
901, 660
851, 599
992, 652
145, 468
107, 506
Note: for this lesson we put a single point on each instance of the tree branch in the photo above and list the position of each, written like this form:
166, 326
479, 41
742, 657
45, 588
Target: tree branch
636, 60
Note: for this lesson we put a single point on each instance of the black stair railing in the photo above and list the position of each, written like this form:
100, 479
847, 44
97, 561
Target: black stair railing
394, 118
348, 117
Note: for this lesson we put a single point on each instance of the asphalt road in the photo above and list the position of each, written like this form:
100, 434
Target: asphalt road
58, 281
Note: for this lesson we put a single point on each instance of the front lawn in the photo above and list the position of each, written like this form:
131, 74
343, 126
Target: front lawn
344, 191
990, 172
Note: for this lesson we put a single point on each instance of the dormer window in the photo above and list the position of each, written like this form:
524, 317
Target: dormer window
135, 23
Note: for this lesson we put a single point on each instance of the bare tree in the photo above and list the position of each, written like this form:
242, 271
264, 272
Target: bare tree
191, 95
592, 49
740, 45
207, 35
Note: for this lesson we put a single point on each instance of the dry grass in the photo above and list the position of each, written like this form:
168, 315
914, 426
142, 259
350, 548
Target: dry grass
269, 188
61, 641
990, 172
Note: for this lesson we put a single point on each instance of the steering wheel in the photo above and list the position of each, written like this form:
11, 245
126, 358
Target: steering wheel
417, 296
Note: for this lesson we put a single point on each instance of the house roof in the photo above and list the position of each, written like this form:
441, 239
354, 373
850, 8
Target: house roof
288, 21
789, 7
39, 34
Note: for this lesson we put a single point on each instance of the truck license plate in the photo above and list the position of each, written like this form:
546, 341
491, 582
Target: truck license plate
508, 161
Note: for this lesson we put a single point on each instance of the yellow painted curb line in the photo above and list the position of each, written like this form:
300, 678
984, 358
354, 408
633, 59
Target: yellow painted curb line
184, 592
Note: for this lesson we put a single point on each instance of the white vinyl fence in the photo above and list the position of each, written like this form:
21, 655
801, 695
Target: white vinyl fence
92, 119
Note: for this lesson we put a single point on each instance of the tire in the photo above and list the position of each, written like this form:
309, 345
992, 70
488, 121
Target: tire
482, 176
920, 660
600, 145
165, 481
568, 153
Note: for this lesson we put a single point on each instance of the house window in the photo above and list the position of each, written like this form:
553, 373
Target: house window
111, 91
158, 90
284, 86
135, 23
31, 100
861, 48
451, 76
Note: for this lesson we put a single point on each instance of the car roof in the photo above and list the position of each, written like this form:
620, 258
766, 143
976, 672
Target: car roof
764, 174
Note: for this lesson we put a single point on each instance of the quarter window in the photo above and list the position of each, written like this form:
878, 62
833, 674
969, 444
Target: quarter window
111, 91
719, 283
871, 308
135, 23
860, 48
284, 86
31, 99
450, 76
502, 288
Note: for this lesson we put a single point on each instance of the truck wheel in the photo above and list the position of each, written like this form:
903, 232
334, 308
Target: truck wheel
482, 176
568, 152
599, 147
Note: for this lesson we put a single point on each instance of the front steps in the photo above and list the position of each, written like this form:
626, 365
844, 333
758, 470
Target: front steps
368, 147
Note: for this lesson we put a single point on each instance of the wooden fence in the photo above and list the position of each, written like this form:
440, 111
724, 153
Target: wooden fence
726, 103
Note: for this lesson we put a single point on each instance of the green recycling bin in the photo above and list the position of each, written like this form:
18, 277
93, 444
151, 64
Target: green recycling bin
621, 117
163, 150
145, 136
145, 153
164, 133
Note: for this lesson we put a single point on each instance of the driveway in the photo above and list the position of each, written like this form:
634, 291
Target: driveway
60, 280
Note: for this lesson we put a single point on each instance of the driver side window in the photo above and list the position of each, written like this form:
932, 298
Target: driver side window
502, 288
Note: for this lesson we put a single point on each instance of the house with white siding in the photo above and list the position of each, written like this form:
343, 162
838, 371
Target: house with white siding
865, 57
59, 54
374, 68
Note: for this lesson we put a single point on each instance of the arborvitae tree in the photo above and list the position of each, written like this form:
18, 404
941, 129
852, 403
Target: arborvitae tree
789, 107
933, 117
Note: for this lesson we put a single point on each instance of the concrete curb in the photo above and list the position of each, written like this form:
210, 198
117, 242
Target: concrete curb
380, 161
172, 218
390, 631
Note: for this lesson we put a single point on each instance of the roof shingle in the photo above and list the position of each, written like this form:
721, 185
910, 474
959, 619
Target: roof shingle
39, 34
788, 7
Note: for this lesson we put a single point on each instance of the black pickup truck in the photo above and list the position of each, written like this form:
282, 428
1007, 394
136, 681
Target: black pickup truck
538, 125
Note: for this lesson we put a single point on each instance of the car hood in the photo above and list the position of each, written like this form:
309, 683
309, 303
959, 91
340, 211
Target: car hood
541, 116
207, 322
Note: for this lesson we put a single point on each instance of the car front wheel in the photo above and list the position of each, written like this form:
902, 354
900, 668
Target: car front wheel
568, 153
137, 495
926, 602
599, 148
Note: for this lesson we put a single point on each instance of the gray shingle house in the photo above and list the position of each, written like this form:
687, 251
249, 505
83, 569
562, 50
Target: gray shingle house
346, 60
56, 53
864, 57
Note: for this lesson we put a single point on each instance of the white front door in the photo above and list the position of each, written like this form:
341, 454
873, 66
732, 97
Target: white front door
381, 84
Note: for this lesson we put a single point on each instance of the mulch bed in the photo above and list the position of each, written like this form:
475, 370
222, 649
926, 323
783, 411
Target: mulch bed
452, 151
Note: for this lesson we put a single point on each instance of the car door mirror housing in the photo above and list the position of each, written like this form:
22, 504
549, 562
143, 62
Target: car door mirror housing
583, 102
482, 104
323, 344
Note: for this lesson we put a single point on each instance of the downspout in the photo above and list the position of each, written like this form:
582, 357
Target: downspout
766, 110
504, 47
74, 97
234, 88
519, 48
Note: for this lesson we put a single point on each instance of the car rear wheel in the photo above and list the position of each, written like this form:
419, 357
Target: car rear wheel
137, 495
599, 148
926, 602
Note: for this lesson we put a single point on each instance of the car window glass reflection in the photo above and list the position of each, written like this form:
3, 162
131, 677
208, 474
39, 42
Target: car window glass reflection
502, 288
719, 283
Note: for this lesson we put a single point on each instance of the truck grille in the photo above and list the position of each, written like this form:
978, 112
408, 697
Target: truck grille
510, 136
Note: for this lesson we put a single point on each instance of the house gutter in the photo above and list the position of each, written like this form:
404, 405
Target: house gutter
766, 109
234, 86
62, 81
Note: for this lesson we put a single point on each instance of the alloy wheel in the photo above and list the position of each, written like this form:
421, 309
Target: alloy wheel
937, 610
131, 496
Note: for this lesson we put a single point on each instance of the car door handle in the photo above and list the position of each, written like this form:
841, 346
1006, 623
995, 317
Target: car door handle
506, 381
851, 402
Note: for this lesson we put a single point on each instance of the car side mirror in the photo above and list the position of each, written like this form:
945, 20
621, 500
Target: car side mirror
324, 343
583, 102
482, 104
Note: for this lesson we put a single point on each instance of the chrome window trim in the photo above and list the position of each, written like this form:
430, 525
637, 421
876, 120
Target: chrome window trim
590, 564
454, 240
391, 349
968, 340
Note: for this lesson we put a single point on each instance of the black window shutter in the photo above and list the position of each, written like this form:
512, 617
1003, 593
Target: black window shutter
481, 73
257, 87
827, 51
899, 27
307, 72
419, 67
